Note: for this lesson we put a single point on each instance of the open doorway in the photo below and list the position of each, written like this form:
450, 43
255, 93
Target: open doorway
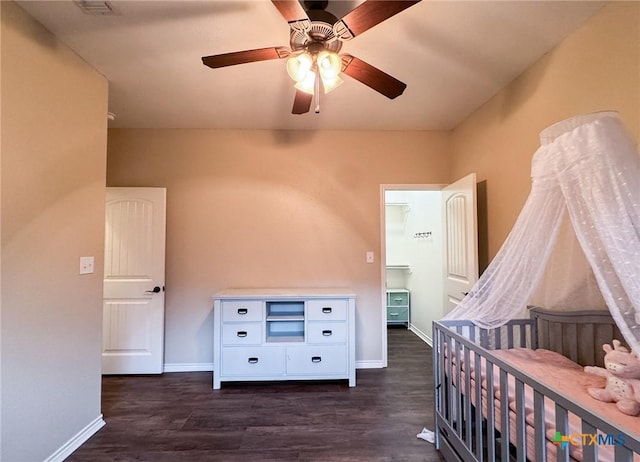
412, 258
429, 256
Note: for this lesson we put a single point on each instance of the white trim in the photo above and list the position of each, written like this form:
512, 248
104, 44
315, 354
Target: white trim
424, 337
369, 364
74, 443
188, 367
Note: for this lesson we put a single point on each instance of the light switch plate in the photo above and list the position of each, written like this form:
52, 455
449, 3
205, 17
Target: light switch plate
86, 265
370, 258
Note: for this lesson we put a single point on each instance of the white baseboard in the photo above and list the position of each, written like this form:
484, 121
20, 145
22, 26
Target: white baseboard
424, 337
369, 364
188, 367
74, 443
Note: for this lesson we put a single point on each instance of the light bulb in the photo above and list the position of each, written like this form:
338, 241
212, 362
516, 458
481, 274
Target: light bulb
298, 66
306, 85
329, 65
331, 84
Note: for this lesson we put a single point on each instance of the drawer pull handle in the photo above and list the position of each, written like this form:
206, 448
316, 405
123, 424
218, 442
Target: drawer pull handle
327, 333
253, 360
316, 359
242, 311
397, 299
242, 333
394, 314
326, 309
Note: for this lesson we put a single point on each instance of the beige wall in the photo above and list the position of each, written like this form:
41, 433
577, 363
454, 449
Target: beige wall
269, 209
596, 68
53, 175
252, 208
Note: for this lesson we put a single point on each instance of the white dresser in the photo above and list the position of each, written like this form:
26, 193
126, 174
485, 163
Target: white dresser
284, 334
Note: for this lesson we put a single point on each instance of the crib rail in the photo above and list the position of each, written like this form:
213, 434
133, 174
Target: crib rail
468, 419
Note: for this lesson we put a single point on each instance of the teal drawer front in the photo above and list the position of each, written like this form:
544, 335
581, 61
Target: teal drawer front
397, 314
398, 298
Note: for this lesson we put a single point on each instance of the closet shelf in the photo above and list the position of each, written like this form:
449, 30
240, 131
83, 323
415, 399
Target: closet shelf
396, 214
399, 267
401, 205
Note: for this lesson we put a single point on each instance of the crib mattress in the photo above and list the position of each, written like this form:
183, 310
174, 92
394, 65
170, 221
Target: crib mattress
565, 377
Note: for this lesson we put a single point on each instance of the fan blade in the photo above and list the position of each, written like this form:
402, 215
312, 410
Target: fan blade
302, 102
368, 14
242, 57
372, 76
291, 10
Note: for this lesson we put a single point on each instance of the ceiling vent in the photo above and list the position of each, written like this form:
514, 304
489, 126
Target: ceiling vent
95, 7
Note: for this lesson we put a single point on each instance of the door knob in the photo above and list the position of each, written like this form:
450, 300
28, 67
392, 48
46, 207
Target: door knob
155, 290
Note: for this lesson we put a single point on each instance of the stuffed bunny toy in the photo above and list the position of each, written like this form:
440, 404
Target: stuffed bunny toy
622, 371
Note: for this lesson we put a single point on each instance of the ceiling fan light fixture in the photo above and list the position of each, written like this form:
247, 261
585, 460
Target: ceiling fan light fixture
315, 39
307, 84
299, 66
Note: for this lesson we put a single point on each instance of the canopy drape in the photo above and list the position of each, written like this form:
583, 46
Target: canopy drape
587, 169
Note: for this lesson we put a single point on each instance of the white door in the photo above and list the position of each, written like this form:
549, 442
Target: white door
460, 240
133, 306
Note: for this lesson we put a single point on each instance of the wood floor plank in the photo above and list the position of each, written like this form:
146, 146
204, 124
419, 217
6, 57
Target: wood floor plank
179, 417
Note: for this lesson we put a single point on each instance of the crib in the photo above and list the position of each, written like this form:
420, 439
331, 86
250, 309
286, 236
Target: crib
518, 392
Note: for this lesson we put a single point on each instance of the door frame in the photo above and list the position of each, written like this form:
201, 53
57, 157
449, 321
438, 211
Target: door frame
383, 251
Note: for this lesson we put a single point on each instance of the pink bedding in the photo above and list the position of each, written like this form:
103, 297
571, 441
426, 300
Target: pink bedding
569, 379
565, 377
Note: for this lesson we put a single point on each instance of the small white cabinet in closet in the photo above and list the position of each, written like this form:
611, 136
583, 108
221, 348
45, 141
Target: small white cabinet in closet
284, 334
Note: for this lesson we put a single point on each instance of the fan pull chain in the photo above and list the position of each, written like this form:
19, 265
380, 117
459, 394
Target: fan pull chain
317, 93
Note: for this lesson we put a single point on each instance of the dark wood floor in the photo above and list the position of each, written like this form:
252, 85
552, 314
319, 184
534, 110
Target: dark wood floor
179, 417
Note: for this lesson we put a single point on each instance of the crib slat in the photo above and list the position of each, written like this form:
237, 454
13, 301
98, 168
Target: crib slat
491, 413
458, 385
468, 405
562, 425
484, 339
539, 436
589, 450
478, 421
543, 335
622, 454
449, 382
521, 429
505, 436
585, 336
438, 353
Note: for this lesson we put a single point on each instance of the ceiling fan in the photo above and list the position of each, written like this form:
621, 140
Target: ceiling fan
316, 37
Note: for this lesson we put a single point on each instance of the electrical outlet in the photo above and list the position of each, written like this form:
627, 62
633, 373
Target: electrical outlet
86, 265
370, 258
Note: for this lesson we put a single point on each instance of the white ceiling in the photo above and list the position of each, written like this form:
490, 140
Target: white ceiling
453, 56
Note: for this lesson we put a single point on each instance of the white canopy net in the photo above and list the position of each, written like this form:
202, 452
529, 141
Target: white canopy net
587, 169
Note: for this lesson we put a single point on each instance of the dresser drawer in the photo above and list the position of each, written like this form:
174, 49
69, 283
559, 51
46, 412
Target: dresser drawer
317, 360
252, 361
245, 333
326, 332
327, 310
242, 310
398, 298
398, 314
